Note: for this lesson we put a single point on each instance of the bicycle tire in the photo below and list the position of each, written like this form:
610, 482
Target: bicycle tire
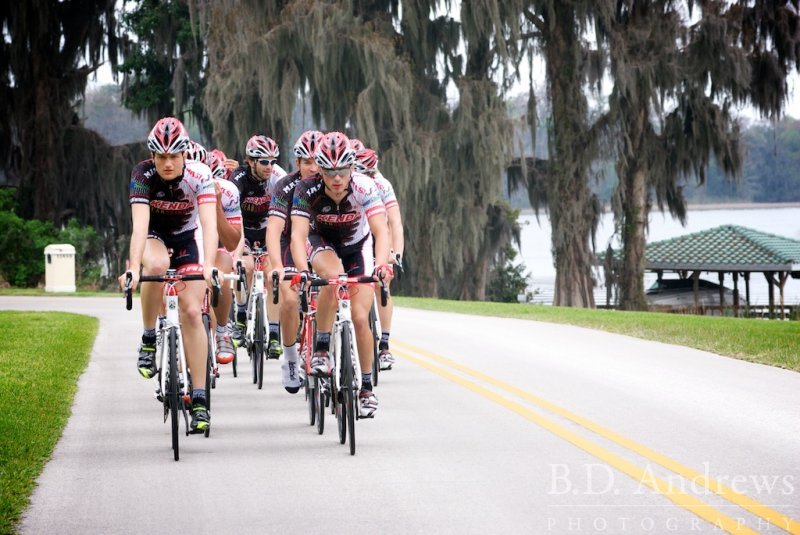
319, 402
347, 381
311, 398
259, 345
172, 389
209, 366
376, 336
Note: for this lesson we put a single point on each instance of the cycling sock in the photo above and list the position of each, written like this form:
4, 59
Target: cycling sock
290, 352
384, 343
241, 313
273, 330
149, 336
323, 341
366, 381
222, 330
199, 395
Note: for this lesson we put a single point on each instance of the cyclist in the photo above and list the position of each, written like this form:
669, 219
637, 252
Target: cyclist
229, 228
168, 194
255, 181
279, 231
367, 163
230, 164
341, 214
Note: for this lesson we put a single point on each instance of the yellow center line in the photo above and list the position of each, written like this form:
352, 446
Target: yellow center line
680, 498
763, 511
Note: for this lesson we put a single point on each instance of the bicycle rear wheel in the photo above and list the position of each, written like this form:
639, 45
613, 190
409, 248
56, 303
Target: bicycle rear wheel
319, 404
172, 388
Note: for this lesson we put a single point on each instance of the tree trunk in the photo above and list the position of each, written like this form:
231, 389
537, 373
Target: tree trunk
634, 223
570, 201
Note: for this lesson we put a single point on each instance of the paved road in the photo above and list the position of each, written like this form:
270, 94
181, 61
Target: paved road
485, 426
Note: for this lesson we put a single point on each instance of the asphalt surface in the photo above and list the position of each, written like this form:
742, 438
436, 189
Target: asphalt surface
485, 426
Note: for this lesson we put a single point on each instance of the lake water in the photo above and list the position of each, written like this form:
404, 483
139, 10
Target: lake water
780, 220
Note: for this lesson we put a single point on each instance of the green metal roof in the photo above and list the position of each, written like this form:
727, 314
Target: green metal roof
725, 248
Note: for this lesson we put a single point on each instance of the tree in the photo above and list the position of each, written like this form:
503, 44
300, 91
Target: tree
670, 108
557, 30
375, 72
48, 49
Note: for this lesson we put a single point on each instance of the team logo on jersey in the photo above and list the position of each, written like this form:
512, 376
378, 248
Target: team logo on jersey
336, 219
160, 194
257, 201
326, 209
171, 206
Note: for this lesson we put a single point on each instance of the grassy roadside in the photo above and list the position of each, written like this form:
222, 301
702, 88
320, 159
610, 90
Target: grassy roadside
41, 292
776, 343
41, 359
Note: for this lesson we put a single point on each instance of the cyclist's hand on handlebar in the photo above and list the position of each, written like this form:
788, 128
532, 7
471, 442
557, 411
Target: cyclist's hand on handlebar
208, 272
134, 273
302, 276
384, 272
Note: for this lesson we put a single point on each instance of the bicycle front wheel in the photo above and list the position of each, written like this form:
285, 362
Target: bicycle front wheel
348, 386
258, 341
172, 389
209, 365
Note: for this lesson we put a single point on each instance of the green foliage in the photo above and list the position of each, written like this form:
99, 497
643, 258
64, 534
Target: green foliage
507, 280
163, 60
23, 242
35, 401
88, 251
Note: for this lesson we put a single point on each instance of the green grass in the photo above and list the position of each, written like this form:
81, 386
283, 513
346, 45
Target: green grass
776, 343
41, 292
42, 354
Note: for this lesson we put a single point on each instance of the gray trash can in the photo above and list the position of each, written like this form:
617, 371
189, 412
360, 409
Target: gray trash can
59, 268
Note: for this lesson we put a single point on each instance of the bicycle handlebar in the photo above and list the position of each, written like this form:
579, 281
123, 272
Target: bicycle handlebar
316, 282
215, 284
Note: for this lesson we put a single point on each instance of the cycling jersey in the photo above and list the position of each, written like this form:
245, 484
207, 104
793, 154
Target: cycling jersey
281, 206
230, 201
386, 191
344, 225
254, 199
174, 204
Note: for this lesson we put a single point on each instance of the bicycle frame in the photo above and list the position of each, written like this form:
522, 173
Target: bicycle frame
171, 320
256, 289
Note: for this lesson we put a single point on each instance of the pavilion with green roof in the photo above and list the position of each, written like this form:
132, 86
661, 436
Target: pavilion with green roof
728, 249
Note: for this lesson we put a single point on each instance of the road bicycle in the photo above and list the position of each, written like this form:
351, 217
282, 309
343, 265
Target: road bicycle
345, 378
316, 389
256, 331
174, 386
238, 279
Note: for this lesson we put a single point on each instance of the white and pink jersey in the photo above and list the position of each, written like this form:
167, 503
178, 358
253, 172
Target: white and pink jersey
230, 201
386, 191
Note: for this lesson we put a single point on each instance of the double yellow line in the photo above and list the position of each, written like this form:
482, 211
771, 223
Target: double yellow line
677, 496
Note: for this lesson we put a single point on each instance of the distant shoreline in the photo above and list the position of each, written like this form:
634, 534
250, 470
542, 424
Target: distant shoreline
710, 206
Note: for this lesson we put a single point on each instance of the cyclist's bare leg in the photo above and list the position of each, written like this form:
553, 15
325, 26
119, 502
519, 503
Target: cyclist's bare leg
290, 319
273, 309
224, 264
361, 301
327, 265
195, 342
155, 261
